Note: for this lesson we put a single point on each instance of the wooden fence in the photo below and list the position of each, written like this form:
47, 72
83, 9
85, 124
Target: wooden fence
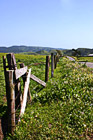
15, 98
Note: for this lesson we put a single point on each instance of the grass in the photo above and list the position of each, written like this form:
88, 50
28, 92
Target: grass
85, 59
2, 82
62, 110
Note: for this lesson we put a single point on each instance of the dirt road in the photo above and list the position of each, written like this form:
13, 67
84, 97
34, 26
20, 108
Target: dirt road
88, 64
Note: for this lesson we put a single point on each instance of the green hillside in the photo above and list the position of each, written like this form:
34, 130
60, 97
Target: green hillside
29, 53
20, 49
62, 110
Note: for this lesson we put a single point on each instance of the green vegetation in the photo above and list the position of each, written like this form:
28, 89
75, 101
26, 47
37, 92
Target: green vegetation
2, 81
62, 110
43, 52
67, 52
2, 89
85, 59
76, 53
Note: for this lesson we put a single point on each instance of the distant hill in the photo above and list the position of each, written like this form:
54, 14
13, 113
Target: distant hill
83, 51
42, 50
21, 49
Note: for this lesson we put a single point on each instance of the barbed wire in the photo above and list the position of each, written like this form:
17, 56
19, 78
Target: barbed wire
19, 93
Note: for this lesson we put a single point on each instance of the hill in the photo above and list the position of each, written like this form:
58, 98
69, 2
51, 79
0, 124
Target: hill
42, 50
21, 49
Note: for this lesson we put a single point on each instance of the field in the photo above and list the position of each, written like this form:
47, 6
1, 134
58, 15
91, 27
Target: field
62, 110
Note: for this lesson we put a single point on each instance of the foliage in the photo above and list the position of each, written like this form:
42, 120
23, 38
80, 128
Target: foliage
59, 52
76, 52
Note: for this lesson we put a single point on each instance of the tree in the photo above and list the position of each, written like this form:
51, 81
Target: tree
76, 53
59, 52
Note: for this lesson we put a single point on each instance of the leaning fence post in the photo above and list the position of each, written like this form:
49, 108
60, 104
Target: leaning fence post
26, 87
24, 79
47, 69
10, 100
52, 64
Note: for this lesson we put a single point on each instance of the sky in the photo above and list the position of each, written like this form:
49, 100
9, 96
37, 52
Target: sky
48, 23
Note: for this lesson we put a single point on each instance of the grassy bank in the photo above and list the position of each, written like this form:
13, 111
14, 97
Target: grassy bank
62, 110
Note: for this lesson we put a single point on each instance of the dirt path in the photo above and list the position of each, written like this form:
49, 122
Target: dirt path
88, 64
70, 58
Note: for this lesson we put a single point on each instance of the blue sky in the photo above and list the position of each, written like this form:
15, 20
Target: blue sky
49, 23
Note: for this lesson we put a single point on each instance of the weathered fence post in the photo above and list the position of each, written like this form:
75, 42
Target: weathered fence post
10, 100
52, 64
12, 66
47, 69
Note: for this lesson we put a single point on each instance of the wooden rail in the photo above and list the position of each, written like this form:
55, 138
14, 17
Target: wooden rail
33, 77
20, 72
